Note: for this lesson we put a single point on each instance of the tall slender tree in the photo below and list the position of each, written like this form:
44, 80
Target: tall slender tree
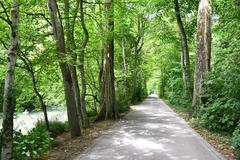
65, 69
9, 99
82, 66
30, 69
203, 53
185, 61
107, 88
138, 42
71, 49
124, 48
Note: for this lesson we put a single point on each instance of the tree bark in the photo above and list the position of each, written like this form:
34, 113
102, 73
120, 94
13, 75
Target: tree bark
71, 48
9, 99
65, 69
185, 61
107, 89
82, 66
124, 66
124, 55
203, 53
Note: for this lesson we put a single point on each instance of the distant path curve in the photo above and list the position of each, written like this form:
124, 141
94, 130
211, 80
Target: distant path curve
151, 131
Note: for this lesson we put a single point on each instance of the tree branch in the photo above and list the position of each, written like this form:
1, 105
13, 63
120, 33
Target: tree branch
6, 13
4, 44
39, 14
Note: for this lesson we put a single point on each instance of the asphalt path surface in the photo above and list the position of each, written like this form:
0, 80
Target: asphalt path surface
151, 131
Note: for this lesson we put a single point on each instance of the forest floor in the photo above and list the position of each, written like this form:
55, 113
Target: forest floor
220, 142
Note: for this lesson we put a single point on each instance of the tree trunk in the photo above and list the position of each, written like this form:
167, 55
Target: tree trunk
107, 89
29, 68
124, 65
65, 69
71, 47
81, 66
43, 107
185, 61
9, 99
203, 53
40, 98
135, 77
124, 55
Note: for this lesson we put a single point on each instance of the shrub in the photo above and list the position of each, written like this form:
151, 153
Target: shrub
32, 145
123, 109
123, 105
56, 127
236, 141
221, 115
37, 141
91, 112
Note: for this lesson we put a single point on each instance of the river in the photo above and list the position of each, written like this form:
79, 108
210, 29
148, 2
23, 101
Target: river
26, 121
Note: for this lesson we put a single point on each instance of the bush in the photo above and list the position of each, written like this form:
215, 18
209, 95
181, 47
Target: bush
37, 141
122, 105
56, 127
221, 116
236, 141
32, 145
91, 112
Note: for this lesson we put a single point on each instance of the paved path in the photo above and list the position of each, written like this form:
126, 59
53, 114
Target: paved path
151, 131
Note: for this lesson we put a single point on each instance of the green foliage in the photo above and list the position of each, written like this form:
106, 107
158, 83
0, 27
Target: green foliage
32, 145
37, 141
56, 127
222, 90
236, 141
221, 116
155, 67
91, 113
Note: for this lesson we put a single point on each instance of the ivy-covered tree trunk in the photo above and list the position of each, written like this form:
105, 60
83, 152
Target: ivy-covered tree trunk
203, 54
107, 90
9, 99
65, 69
82, 66
185, 61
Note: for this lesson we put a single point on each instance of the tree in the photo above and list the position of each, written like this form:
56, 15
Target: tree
107, 89
30, 69
185, 61
203, 53
65, 69
82, 66
9, 99
71, 49
137, 44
